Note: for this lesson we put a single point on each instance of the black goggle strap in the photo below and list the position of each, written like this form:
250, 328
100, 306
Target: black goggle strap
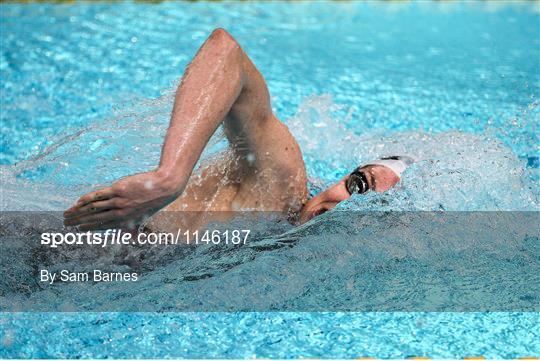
357, 182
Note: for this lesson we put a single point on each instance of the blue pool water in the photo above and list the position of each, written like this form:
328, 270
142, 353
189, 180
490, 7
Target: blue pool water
86, 93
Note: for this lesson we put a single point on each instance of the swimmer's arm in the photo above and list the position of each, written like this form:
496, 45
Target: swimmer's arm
223, 86
209, 87
221, 82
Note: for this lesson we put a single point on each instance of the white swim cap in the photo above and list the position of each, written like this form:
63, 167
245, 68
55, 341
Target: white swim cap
397, 163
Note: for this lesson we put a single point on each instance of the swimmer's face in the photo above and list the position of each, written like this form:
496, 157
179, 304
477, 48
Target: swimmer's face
379, 179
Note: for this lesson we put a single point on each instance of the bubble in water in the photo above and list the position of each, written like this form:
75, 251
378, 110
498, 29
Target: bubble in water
250, 158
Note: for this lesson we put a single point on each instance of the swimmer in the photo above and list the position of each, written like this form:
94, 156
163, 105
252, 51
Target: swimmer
264, 170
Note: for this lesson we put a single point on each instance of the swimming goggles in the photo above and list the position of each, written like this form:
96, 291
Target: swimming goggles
357, 182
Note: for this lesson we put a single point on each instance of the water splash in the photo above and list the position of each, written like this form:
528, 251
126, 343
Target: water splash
454, 170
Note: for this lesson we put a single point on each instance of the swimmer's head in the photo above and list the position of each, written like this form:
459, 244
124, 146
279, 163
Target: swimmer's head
378, 176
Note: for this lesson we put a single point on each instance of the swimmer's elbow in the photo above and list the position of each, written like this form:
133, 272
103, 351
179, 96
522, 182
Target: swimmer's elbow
221, 33
222, 36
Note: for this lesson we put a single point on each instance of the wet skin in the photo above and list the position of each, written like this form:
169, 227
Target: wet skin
263, 170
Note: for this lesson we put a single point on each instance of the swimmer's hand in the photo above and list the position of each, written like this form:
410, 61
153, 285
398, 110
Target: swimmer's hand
125, 204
